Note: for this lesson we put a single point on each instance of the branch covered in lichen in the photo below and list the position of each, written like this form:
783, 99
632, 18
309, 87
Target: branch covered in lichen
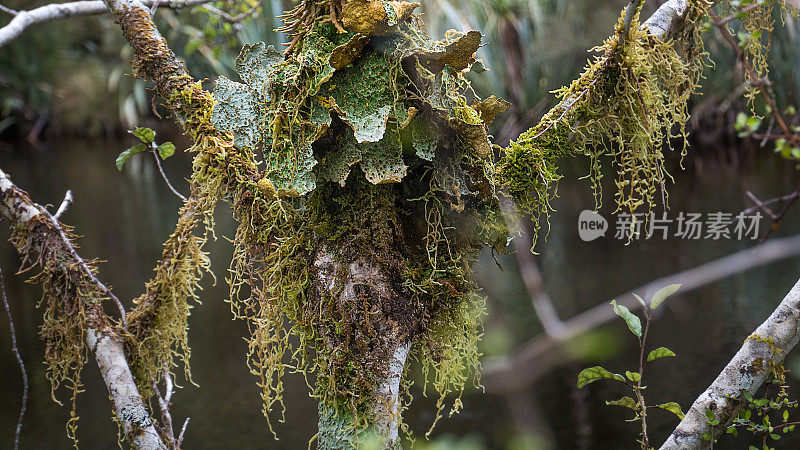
762, 352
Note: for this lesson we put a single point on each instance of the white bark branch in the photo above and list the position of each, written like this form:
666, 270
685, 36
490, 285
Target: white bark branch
388, 403
539, 355
746, 372
19, 210
109, 353
56, 11
667, 20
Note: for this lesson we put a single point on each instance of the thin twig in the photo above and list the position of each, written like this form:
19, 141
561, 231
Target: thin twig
64, 204
15, 350
752, 6
164, 176
633, 7
183, 430
761, 84
788, 200
8, 10
233, 19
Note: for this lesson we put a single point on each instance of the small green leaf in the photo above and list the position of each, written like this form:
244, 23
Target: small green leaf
662, 295
145, 135
785, 415
625, 402
634, 324
166, 150
592, 374
660, 352
126, 155
672, 407
633, 376
640, 300
709, 414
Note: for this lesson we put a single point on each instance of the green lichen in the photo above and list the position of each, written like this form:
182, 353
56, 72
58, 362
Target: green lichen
401, 183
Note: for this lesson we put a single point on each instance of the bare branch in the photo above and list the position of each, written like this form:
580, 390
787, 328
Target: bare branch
746, 372
21, 364
8, 10
57, 11
634, 6
183, 430
64, 204
539, 355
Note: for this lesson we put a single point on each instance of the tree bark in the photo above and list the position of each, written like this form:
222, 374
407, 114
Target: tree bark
349, 282
746, 372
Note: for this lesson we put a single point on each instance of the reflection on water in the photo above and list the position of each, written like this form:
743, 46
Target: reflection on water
126, 216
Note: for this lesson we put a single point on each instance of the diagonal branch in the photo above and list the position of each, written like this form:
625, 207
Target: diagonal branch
57, 11
539, 355
102, 339
746, 372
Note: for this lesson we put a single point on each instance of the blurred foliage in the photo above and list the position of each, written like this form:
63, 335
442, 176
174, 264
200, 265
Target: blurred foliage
533, 47
73, 75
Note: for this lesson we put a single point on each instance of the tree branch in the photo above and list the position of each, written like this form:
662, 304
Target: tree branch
109, 352
101, 338
746, 372
539, 355
18, 357
57, 11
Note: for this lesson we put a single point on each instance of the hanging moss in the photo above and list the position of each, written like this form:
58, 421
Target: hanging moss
376, 154
630, 104
401, 178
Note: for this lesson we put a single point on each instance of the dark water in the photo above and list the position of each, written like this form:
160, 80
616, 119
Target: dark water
126, 216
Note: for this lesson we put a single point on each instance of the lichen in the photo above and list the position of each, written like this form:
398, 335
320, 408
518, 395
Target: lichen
403, 184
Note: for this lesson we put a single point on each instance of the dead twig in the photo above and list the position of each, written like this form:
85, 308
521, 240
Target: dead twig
15, 350
64, 204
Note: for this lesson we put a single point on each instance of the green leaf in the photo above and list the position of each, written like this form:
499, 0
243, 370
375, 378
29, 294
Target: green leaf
145, 135
672, 407
634, 324
126, 155
709, 414
592, 374
166, 150
633, 376
660, 352
625, 402
662, 295
785, 415
641, 301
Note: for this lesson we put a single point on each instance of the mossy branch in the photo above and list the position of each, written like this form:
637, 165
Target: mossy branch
74, 319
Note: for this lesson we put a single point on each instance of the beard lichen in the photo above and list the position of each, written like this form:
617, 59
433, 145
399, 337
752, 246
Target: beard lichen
629, 104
